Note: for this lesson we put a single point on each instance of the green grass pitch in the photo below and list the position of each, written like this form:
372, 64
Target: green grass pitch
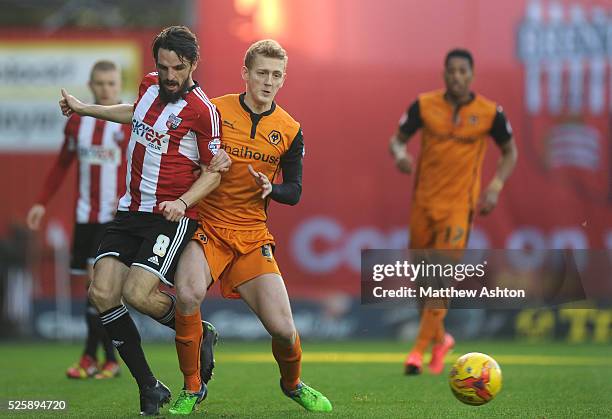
362, 379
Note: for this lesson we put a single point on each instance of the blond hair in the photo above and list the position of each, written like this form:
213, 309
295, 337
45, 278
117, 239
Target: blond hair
103, 65
266, 47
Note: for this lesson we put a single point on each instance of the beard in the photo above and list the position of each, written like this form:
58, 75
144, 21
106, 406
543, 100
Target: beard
171, 97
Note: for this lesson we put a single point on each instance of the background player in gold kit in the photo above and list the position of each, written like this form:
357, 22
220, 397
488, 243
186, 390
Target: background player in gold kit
455, 124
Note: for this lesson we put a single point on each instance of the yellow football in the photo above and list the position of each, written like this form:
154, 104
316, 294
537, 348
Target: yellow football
475, 379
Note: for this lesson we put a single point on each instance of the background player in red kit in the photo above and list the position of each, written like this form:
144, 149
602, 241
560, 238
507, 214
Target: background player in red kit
175, 134
98, 147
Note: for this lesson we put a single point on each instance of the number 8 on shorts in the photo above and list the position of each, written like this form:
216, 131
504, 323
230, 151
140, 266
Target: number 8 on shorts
161, 245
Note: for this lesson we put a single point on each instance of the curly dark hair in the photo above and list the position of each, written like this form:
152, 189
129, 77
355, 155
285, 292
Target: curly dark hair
180, 40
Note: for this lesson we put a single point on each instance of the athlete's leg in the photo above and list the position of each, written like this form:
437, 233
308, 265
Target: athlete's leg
194, 344
82, 243
267, 296
105, 292
107, 284
88, 363
422, 236
92, 320
141, 291
445, 236
192, 279
110, 368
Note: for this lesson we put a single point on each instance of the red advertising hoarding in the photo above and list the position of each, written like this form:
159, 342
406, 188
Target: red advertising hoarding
354, 67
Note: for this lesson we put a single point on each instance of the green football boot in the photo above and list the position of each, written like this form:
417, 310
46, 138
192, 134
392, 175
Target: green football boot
309, 398
187, 401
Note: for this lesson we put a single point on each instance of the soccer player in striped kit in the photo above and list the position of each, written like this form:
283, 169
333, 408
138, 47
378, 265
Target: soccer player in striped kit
174, 160
98, 147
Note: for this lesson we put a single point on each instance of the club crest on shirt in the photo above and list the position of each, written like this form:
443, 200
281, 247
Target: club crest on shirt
214, 145
275, 137
473, 119
173, 121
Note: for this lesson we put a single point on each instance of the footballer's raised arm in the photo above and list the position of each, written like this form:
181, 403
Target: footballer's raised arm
121, 113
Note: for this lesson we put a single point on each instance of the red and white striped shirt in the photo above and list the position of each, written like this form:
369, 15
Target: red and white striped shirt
167, 145
99, 147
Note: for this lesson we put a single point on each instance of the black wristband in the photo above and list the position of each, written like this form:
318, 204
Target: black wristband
186, 206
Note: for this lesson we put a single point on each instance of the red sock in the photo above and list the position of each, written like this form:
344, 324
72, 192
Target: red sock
289, 359
188, 342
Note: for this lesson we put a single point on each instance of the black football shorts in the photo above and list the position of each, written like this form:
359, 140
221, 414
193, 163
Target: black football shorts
147, 240
86, 239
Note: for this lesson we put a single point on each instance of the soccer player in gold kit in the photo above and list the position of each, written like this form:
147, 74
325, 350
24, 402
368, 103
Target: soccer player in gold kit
233, 245
455, 124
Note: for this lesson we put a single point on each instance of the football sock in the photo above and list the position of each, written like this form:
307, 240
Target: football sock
168, 318
440, 330
431, 320
109, 349
92, 320
289, 359
188, 342
96, 333
124, 334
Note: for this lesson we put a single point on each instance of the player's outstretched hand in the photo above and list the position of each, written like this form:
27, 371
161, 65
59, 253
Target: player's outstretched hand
35, 216
173, 210
70, 104
221, 162
262, 181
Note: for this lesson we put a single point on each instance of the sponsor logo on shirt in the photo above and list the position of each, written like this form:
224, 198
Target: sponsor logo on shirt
247, 153
147, 136
99, 155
